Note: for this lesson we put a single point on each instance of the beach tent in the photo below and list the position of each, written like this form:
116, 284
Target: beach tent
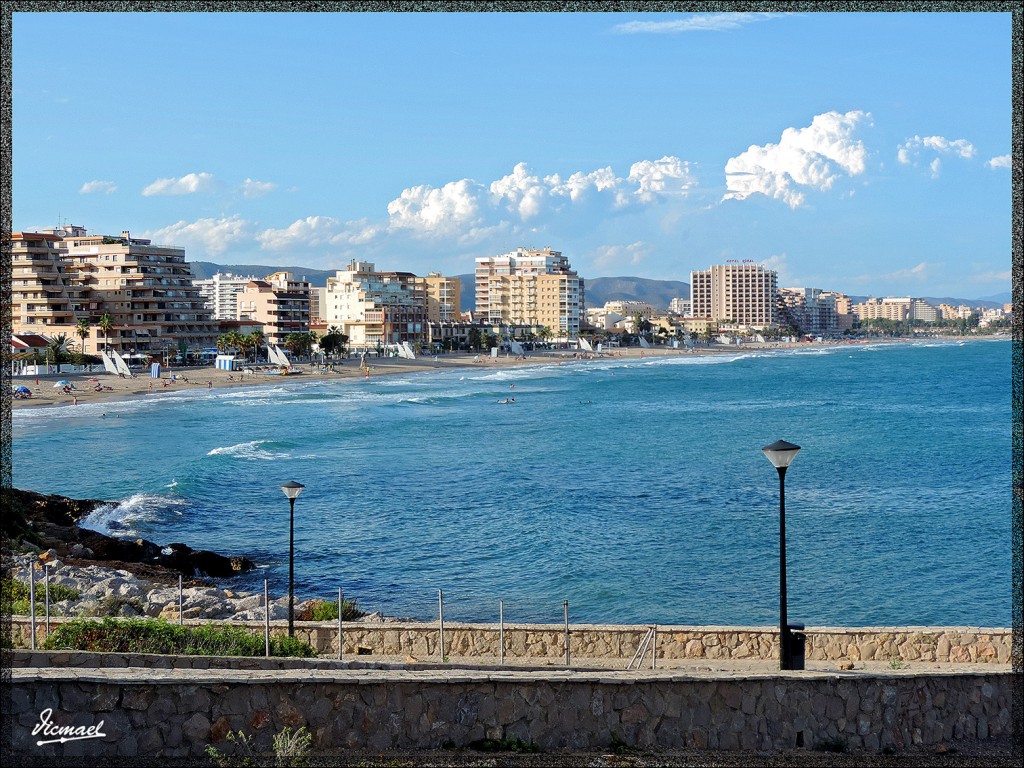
23, 389
63, 383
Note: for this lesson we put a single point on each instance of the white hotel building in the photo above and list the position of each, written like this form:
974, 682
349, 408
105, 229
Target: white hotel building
221, 293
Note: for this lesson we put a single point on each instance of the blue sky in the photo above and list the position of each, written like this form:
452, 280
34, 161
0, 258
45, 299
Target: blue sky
866, 153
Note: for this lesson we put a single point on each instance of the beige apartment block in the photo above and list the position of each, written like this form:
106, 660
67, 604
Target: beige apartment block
896, 308
279, 302
376, 308
146, 290
443, 302
738, 293
530, 287
44, 297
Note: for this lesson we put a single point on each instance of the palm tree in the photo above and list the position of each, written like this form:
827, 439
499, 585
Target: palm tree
83, 331
258, 340
106, 324
58, 348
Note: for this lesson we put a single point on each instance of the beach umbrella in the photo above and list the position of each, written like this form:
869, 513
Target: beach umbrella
63, 383
23, 388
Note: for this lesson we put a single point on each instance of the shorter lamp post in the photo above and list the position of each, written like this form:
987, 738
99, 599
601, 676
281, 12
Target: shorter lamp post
781, 455
291, 490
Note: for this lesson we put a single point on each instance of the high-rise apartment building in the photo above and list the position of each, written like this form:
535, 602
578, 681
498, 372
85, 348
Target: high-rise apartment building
530, 287
279, 302
63, 276
681, 306
811, 310
442, 293
376, 308
735, 293
221, 293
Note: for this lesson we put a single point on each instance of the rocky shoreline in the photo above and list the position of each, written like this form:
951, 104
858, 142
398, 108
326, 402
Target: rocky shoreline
121, 577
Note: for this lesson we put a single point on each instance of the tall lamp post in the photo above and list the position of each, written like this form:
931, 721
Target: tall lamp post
781, 455
291, 490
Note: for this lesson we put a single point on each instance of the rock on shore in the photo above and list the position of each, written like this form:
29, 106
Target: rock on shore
51, 522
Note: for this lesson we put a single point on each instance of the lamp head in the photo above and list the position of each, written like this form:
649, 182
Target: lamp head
780, 453
292, 489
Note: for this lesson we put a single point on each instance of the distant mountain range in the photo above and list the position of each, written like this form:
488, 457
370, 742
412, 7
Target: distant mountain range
597, 291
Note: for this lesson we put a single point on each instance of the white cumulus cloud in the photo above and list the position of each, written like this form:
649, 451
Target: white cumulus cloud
908, 152
1000, 161
810, 157
252, 188
520, 192
211, 237
318, 232
430, 209
698, 22
654, 178
526, 197
310, 231
188, 184
91, 187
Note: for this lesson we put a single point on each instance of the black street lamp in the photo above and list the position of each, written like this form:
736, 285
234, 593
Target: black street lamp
781, 455
291, 490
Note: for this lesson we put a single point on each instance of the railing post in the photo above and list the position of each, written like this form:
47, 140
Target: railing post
32, 601
654, 644
181, 601
440, 614
565, 606
501, 632
46, 576
266, 619
340, 604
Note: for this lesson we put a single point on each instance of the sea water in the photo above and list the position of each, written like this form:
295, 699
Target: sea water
633, 488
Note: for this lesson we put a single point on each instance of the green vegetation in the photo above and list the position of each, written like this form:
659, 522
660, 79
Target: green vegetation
291, 748
323, 610
158, 636
14, 596
504, 745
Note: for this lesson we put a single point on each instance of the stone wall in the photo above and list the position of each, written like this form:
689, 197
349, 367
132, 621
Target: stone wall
178, 713
421, 641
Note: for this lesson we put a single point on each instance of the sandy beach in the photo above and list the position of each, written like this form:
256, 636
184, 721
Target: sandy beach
100, 386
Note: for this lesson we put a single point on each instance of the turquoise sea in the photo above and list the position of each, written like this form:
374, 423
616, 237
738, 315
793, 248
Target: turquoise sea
634, 489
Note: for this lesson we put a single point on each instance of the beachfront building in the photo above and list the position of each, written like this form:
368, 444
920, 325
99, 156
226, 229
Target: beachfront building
442, 294
376, 308
68, 276
530, 287
44, 297
959, 312
221, 293
279, 302
844, 310
810, 310
681, 307
895, 308
738, 294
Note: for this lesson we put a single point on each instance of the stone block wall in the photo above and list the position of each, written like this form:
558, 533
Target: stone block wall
177, 715
525, 641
